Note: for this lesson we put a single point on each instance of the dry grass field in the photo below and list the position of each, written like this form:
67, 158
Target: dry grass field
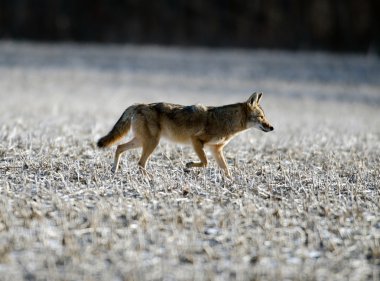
303, 202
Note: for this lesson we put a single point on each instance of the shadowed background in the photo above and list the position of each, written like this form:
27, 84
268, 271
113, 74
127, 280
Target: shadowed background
291, 24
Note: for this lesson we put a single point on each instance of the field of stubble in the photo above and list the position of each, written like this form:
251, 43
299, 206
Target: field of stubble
303, 202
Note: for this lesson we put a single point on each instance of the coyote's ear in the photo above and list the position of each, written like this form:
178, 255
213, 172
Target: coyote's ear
255, 98
259, 97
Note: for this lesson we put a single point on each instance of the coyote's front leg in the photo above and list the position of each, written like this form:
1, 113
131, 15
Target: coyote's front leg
198, 147
217, 151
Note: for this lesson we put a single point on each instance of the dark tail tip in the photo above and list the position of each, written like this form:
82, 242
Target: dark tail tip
101, 143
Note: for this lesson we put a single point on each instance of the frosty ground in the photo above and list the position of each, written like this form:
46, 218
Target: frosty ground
303, 202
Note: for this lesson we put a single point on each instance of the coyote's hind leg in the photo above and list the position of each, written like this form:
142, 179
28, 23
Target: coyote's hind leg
148, 145
134, 143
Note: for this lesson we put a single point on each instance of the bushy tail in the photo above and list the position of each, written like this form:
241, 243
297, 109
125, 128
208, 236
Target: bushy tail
119, 130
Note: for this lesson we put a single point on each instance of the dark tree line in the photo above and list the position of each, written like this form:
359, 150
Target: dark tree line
339, 25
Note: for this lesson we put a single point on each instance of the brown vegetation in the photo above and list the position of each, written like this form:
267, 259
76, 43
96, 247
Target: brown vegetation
303, 203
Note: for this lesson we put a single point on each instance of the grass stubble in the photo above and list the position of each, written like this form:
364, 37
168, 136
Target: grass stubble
303, 203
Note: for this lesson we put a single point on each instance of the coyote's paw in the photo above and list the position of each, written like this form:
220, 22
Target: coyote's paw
114, 169
195, 164
145, 173
227, 175
186, 170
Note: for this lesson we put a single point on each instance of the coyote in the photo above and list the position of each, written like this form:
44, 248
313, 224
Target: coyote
197, 125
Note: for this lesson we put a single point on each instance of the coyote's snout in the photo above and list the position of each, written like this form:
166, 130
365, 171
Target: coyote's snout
197, 125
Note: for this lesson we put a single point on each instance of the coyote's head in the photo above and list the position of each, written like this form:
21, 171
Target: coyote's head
256, 116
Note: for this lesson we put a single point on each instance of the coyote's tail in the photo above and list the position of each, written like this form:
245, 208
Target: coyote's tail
119, 130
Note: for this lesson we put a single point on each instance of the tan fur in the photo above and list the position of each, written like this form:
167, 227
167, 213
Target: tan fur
197, 125
120, 129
